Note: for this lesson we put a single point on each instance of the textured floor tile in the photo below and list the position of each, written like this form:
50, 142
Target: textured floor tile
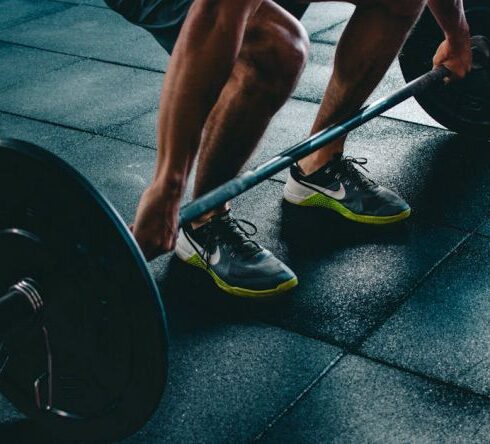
87, 95
330, 35
321, 16
141, 130
227, 382
7, 413
99, 3
290, 125
350, 277
50, 137
27, 65
444, 329
485, 229
119, 170
15, 12
360, 401
91, 32
319, 68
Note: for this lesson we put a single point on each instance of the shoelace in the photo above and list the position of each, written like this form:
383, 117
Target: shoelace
231, 231
347, 170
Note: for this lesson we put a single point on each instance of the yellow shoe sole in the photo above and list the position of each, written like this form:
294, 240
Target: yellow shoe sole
321, 201
197, 261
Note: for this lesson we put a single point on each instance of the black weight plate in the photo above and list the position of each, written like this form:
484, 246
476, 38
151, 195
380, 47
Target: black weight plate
462, 106
104, 323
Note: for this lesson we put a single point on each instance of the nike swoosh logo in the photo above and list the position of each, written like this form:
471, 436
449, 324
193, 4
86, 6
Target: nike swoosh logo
215, 257
337, 195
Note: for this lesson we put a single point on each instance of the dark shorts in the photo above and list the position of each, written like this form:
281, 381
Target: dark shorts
164, 18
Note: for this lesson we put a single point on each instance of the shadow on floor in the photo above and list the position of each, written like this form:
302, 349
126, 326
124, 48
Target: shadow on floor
25, 431
450, 173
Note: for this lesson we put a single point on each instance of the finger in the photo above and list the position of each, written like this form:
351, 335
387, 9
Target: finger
457, 73
170, 244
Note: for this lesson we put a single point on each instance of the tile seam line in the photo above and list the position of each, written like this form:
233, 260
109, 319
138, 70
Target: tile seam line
382, 116
82, 57
314, 34
93, 134
130, 120
299, 397
410, 292
427, 377
36, 17
80, 3
483, 235
126, 65
19, 83
323, 42
353, 351
74, 128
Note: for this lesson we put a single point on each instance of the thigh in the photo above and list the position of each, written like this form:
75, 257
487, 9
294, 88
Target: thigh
162, 18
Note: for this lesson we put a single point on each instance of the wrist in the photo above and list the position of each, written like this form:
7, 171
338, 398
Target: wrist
168, 186
461, 34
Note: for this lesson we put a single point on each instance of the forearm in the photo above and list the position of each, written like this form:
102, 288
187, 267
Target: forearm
200, 66
450, 16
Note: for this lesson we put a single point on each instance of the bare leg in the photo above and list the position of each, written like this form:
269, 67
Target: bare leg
368, 46
270, 63
203, 60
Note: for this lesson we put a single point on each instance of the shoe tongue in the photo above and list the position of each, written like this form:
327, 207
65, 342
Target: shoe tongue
225, 217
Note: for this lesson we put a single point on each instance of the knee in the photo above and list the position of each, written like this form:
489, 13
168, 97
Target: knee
276, 56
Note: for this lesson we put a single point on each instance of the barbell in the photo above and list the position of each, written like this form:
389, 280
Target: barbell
84, 343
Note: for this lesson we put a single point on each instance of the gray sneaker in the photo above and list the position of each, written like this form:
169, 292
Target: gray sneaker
341, 187
238, 265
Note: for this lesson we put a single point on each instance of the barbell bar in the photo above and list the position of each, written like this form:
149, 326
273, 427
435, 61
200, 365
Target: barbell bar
251, 178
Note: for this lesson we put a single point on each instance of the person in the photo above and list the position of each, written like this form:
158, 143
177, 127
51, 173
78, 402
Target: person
234, 64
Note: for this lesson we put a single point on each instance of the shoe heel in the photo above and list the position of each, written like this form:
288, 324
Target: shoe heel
296, 193
183, 248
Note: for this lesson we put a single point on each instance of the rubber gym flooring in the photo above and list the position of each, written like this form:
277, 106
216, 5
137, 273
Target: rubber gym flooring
387, 338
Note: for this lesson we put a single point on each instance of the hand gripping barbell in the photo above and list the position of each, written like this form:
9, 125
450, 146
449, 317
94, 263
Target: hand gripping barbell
82, 327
